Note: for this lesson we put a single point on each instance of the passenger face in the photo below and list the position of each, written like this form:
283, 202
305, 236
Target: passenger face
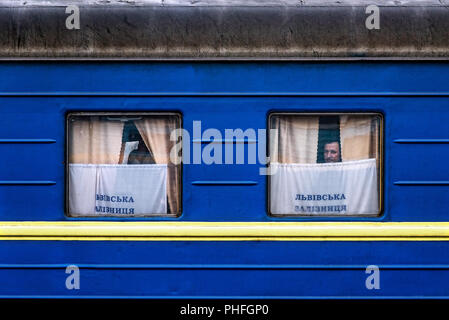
331, 152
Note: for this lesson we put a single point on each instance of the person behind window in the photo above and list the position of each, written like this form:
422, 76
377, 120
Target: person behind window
141, 155
331, 152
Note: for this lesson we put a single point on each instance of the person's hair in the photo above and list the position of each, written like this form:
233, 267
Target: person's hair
332, 141
328, 132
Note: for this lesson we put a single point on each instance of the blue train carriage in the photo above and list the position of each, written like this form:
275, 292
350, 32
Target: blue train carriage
224, 149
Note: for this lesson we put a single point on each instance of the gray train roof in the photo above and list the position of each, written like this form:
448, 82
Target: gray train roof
224, 29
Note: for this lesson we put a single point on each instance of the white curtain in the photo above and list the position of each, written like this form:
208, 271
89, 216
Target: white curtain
359, 137
119, 190
296, 139
155, 133
343, 188
94, 141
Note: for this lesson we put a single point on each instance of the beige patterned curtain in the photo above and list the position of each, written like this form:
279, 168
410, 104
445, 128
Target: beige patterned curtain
95, 142
155, 133
296, 139
359, 137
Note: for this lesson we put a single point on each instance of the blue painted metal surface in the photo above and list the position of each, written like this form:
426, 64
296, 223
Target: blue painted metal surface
217, 269
413, 98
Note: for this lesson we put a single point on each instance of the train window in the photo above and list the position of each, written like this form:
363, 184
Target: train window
120, 165
325, 164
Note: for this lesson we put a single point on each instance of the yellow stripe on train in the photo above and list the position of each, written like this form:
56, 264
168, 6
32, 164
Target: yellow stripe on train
225, 231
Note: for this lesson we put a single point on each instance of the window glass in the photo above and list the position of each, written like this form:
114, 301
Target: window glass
325, 165
119, 165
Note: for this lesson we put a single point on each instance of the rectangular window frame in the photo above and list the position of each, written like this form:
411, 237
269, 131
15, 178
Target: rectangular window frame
70, 114
381, 199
